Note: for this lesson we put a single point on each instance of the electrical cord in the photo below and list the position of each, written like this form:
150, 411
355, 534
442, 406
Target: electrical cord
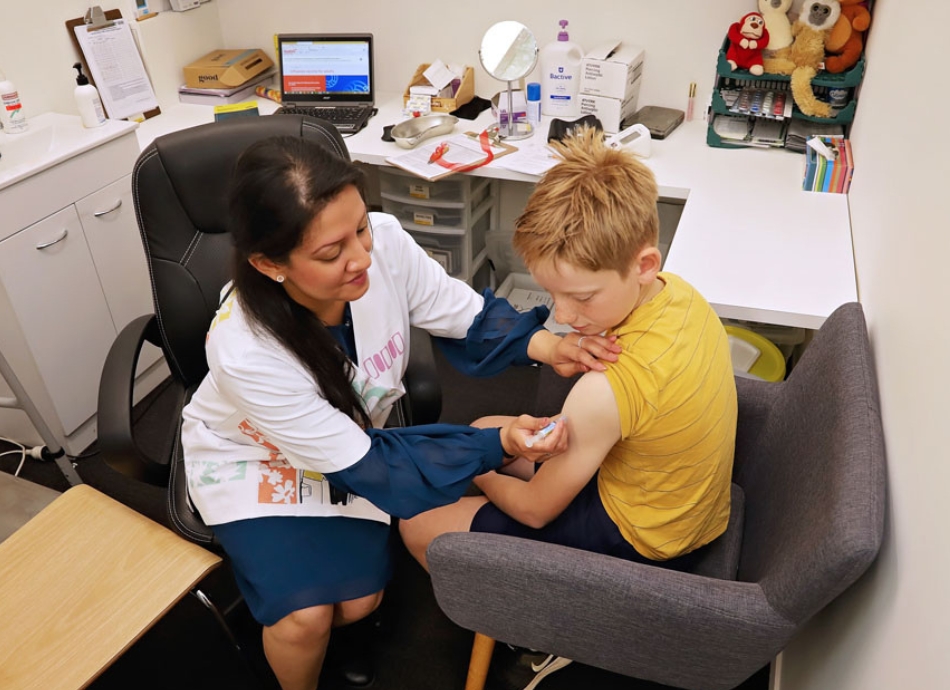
22, 452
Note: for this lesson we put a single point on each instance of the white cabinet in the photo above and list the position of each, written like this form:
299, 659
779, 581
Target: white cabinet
72, 274
449, 218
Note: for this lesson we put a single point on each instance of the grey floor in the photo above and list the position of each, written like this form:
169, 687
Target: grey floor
417, 647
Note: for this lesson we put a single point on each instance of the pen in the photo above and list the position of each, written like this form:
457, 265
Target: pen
690, 101
439, 152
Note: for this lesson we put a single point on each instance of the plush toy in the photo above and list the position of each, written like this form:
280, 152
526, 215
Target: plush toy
806, 54
845, 42
747, 38
775, 13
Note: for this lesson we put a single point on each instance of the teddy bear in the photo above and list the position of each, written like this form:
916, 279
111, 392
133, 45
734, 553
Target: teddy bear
777, 23
845, 42
747, 38
806, 54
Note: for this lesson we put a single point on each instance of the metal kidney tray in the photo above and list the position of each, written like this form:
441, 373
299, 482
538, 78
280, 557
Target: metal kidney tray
409, 133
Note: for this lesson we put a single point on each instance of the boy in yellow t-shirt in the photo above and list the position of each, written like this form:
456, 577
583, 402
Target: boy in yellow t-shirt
647, 472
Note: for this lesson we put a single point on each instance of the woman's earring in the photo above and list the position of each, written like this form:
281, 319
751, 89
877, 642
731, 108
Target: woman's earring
279, 278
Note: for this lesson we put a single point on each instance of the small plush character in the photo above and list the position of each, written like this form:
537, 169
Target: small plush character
747, 38
845, 42
807, 53
777, 23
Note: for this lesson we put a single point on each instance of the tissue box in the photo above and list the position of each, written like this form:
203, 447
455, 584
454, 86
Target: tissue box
222, 69
612, 112
465, 93
499, 104
612, 70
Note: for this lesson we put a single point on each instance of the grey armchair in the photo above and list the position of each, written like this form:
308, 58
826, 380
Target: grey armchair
810, 465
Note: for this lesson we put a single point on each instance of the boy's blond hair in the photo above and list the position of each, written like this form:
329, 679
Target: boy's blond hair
595, 209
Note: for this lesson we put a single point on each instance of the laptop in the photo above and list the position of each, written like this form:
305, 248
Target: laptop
329, 76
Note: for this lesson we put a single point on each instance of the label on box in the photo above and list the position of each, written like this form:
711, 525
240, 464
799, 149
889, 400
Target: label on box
419, 191
423, 218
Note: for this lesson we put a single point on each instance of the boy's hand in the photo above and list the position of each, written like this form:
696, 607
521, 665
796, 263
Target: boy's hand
521, 431
578, 354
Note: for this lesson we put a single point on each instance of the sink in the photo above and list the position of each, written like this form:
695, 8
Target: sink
51, 139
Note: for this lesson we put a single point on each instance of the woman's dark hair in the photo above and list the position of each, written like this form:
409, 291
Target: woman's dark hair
278, 187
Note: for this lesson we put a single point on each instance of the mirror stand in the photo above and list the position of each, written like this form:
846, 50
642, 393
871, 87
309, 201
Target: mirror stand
509, 127
509, 52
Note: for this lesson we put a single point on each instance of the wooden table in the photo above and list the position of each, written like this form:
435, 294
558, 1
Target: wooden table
82, 581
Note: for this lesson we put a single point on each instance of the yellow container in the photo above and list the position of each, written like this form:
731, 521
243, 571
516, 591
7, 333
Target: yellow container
770, 364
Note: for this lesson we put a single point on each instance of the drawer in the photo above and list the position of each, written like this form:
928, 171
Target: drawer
457, 189
448, 250
417, 215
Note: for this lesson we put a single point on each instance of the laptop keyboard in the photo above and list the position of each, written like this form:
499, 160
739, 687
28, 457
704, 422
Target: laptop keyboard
340, 116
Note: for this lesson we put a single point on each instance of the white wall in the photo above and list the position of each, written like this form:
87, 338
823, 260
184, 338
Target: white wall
37, 53
681, 37
892, 630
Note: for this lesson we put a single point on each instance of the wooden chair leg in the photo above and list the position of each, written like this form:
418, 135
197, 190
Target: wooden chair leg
482, 649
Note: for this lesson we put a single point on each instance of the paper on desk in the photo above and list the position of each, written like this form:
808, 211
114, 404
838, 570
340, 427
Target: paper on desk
531, 160
463, 150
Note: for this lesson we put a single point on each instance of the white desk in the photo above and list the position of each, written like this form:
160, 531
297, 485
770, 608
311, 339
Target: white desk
754, 244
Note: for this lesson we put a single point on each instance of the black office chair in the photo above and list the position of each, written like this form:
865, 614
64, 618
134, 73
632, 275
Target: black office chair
179, 186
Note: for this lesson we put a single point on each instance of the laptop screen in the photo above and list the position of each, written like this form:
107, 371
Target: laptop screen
326, 68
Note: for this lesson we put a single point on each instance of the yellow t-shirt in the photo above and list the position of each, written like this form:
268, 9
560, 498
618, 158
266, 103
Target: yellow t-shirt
666, 482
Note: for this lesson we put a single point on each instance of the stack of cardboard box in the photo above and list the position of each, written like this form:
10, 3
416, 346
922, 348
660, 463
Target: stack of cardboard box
610, 83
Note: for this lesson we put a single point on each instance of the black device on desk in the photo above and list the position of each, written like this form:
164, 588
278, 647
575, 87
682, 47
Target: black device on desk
329, 76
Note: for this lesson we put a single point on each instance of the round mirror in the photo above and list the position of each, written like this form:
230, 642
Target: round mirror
509, 51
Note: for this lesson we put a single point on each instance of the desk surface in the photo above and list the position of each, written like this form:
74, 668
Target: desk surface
754, 244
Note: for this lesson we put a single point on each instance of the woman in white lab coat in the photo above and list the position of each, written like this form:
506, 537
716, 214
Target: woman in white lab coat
285, 452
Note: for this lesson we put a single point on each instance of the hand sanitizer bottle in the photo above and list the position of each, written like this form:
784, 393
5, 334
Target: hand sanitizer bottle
87, 100
11, 110
560, 63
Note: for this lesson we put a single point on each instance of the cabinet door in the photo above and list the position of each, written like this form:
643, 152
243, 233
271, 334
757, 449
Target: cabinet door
51, 282
108, 220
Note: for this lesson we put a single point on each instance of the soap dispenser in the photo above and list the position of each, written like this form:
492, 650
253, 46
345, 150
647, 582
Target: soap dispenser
88, 101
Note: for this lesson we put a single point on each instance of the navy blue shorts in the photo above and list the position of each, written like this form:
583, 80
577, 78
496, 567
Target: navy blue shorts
584, 524
283, 564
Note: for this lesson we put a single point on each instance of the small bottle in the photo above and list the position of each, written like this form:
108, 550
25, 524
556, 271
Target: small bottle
87, 100
534, 102
12, 115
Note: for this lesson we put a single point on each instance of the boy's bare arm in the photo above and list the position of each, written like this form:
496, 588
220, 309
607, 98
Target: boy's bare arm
594, 427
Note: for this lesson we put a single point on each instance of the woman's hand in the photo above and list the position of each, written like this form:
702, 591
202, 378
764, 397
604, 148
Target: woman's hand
578, 354
521, 431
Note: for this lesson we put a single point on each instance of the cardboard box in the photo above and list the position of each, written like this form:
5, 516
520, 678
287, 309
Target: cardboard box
611, 70
465, 93
612, 112
221, 69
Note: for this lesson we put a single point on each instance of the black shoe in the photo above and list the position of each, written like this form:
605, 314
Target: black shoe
351, 653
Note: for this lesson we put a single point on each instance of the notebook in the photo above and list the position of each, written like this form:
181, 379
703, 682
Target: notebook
329, 76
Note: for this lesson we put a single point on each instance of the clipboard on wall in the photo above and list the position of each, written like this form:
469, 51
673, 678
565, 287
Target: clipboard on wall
113, 63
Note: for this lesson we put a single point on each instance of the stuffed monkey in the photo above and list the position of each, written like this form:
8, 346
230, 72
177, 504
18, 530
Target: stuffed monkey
775, 13
807, 53
845, 42
747, 38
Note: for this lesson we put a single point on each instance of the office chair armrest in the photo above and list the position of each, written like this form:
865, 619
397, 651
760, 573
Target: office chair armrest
633, 619
422, 380
117, 445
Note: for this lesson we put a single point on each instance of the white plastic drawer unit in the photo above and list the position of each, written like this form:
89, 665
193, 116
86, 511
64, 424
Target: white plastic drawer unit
449, 218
